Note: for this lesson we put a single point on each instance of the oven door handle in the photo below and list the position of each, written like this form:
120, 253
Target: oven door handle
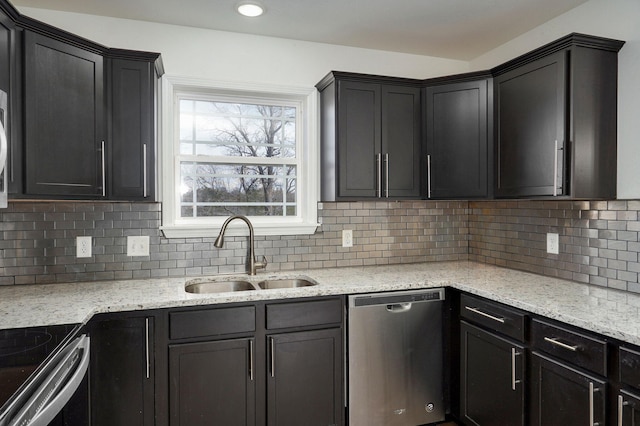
49, 399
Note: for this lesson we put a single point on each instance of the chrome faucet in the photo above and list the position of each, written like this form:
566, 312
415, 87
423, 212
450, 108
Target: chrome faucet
253, 263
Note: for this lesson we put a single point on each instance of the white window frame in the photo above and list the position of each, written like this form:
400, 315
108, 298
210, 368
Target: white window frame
307, 149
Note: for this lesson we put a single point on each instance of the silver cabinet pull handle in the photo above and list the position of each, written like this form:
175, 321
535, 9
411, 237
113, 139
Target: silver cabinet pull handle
484, 314
555, 170
4, 147
555, 341
147, 354
379, 166
386, 174
514, 380
144, 166
428, 176
251, 359
592, 390
621, 404
104, 169
273, 358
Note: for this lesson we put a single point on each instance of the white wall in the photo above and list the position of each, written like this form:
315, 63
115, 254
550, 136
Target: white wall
619, 19
233, 57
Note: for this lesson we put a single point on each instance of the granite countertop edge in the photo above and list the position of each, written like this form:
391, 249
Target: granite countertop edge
610, 312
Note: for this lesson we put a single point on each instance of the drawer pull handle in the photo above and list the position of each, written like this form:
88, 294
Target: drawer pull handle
484, 314
555, 341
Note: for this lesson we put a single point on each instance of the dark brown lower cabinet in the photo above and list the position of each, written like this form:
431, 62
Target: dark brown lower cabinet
213, 383
305, 378
122, 367
492, 372
564, 396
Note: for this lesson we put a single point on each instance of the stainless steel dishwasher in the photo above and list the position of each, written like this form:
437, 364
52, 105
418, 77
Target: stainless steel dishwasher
395, 352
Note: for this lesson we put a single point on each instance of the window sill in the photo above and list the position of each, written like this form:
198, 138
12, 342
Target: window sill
238, 229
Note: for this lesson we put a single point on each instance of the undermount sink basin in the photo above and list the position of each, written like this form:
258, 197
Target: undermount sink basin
285, 283
218, 286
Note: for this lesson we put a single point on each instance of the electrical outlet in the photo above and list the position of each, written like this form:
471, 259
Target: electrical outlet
553, 243
83, 246
347, 238
138, 246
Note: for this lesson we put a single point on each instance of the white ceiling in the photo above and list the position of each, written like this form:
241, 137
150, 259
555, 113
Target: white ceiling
456, 29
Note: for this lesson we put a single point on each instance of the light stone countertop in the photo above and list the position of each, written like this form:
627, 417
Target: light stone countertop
609, 312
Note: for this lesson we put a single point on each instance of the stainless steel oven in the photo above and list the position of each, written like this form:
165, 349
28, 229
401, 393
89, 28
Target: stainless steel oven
35, 390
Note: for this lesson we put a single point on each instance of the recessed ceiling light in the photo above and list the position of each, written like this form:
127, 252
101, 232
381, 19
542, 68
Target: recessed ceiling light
250, 9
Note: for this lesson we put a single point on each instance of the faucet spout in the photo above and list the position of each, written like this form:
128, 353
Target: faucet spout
253, 263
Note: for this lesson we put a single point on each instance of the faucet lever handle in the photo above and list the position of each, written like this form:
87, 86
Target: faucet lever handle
263, 263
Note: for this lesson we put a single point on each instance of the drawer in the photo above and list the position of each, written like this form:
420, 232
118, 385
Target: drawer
581, 350
629, 367
494, 316
304, 314
212, 322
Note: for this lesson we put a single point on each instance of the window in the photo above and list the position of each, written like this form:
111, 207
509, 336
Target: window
236, 150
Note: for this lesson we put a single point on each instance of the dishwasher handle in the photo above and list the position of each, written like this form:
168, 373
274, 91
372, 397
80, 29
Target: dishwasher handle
399, 308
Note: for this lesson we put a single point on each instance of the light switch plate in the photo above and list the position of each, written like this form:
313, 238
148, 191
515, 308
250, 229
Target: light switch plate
138, 246
553, 243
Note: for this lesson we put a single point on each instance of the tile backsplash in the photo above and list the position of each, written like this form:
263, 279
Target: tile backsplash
599, 241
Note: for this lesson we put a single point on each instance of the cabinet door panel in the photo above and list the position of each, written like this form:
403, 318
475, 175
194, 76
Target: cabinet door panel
64, 118
359, 138
531, 117
628, 409
122, 372
457, 139
212, 383
563, 396
305, 379
401, 141
131, 145
491, 394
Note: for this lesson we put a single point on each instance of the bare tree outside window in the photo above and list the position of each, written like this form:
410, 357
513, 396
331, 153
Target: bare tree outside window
237, 159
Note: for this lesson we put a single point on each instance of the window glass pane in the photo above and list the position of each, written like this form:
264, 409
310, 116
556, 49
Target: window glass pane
215, 187
234, 129
270, 190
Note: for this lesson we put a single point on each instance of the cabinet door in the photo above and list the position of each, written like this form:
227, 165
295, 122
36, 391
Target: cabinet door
456, 128
401, 141
628, 409
564, 396
304, 383
531, 119
64, 119
492, 372
359, 139
212, 383
122, 372
131, 146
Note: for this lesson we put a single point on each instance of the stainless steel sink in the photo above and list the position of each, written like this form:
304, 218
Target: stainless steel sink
218, 286
285, 283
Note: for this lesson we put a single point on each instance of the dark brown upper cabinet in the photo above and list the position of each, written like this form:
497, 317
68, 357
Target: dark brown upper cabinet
457, 138
64, 118
132, 147
555, 120
82, 116
371, 137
